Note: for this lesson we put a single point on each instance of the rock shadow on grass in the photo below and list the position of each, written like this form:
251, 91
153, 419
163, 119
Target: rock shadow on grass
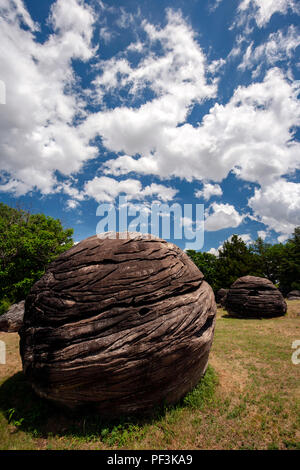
41, 418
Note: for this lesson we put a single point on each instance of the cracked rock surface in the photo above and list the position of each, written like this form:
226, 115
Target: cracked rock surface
252, 296
123, 324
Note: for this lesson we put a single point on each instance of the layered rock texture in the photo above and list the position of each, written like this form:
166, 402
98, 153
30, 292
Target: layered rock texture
252, 296
123, 324
293, 295
221, 296
12, 320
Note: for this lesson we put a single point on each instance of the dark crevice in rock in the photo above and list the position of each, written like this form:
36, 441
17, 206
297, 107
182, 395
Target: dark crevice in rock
144, 311
209, 322
148, 300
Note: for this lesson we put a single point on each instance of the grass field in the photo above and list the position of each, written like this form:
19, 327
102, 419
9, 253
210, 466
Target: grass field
248, 399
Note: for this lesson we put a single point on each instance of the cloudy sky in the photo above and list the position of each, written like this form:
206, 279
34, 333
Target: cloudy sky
172, 101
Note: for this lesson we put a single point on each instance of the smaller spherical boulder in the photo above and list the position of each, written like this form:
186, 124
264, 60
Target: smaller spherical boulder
12, 320
293, 295
256, 297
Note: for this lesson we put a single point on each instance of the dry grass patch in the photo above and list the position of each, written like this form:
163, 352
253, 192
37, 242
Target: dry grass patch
293, 308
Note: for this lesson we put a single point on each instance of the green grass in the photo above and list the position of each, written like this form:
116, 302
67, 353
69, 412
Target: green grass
249, 398
202, 395
36, 418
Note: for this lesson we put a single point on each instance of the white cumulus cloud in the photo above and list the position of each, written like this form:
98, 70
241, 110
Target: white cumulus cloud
262, 234
278, 206
37, 132
209, 190
106, 189
280, 46
252, 134
141, 111
263, 10
220, 216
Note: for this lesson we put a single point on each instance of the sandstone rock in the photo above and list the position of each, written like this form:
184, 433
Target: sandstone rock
12, 320
251, 296
221, 296
123, 324
293, 295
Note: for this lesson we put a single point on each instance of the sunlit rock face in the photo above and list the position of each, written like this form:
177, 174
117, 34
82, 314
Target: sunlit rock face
123, 324
251, 296
12, 320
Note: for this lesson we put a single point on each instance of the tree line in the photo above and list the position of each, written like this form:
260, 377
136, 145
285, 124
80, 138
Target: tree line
279, 262
28, 243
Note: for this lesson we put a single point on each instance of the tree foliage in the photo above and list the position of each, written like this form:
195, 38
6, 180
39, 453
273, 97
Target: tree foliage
269, 259
28, 243
206, 262
290, 265
235, 260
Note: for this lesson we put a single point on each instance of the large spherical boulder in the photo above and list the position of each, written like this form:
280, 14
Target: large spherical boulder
252, 296
123, 324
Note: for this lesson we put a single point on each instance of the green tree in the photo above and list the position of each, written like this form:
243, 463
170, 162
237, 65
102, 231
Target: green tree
269, 259
235, 260
206, 262
28, 243
290, 264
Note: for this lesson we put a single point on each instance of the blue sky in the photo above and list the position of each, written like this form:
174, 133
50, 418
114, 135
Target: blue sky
171, 101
